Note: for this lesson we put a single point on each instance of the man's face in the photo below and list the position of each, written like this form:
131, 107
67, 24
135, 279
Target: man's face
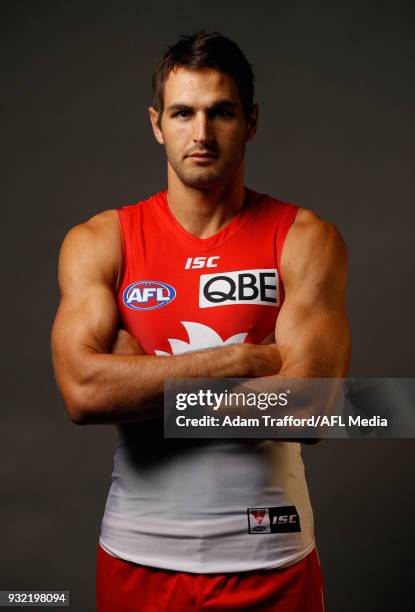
203, 126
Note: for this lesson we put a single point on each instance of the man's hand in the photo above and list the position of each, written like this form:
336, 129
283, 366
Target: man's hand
260, 359
125, 344
270, 339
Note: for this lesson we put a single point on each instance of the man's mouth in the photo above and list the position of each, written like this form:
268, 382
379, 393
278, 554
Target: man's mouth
203, 155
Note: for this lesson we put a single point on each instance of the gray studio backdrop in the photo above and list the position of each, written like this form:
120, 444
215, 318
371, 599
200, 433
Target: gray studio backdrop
335, 83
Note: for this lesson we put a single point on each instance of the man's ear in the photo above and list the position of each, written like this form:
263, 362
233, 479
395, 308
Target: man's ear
252, 123
154, 118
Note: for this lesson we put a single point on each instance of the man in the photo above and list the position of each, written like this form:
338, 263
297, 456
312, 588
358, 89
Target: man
193, 282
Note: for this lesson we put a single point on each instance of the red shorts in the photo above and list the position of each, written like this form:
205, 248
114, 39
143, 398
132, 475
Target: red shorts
123, 586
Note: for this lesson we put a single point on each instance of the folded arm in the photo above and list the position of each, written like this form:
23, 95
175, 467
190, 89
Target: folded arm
97, 382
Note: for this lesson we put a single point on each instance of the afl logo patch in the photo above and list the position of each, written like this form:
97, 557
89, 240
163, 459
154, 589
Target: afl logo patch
148, 295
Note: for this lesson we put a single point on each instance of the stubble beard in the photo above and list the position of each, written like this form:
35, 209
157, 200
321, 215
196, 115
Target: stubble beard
205, 178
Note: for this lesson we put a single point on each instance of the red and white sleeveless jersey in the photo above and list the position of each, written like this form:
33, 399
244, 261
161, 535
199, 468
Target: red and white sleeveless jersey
204, 506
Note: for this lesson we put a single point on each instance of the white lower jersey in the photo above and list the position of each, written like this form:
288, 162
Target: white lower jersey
212, 507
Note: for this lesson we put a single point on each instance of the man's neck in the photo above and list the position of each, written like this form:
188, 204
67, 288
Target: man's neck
204, 212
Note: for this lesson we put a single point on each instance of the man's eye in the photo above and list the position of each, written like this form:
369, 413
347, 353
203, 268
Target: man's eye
223, 114
183, 114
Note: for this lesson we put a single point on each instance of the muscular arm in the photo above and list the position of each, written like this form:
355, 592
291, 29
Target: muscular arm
312, 332
98, 384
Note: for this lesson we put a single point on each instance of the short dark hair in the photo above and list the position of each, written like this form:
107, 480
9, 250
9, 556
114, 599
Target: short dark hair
206, 50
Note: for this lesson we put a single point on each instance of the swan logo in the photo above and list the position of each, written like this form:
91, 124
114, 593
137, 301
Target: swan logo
148, 295
258, 520
200, 337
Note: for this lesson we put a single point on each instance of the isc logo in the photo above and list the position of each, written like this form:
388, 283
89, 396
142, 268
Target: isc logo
285, 518
201, 262
148, 295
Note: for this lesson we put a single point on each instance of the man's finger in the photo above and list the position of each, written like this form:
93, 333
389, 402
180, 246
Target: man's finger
125, 344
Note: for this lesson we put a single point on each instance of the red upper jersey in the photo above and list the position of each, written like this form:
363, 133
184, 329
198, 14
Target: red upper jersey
228, 283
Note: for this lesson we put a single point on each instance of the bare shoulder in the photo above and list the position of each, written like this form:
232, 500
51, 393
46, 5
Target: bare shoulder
314, 250
93, 248
311, 229
311, 235
99, 228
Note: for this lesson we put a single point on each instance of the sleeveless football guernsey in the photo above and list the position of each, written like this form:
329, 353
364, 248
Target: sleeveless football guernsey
204, 506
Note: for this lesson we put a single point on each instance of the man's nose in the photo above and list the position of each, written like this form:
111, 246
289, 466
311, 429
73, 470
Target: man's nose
202, 129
